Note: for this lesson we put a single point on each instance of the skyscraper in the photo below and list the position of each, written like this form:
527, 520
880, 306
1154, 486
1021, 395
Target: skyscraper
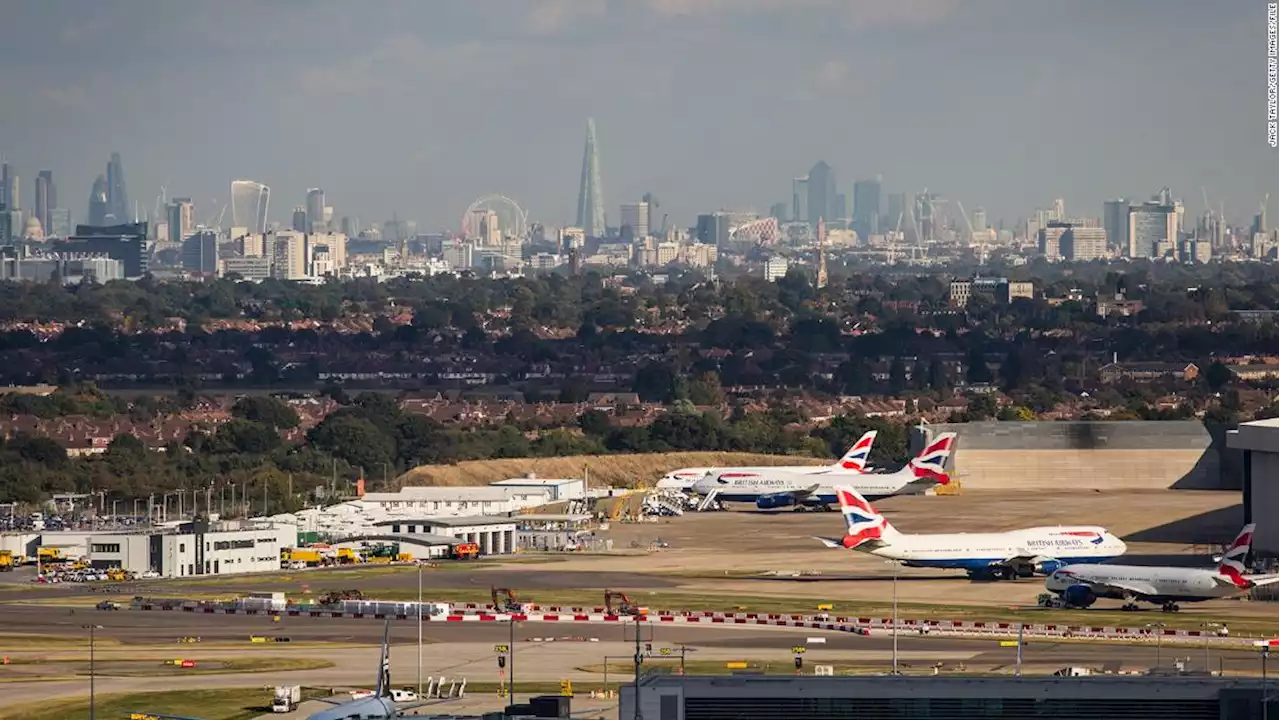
117, 195
300, 218
182, 220
799, 199
98, 202
866, 207
633, 220
315, 210
822, 193
1115, 220
6, 172
249, 202
46, 200
590, 192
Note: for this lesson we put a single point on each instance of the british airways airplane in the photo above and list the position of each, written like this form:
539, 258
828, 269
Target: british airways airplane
985, 555
771, 488
688, 478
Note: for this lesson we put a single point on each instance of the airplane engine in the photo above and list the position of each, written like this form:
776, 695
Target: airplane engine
1048, 567
769, 502
1079, 596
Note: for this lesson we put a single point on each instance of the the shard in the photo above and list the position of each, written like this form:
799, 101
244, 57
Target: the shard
590, 193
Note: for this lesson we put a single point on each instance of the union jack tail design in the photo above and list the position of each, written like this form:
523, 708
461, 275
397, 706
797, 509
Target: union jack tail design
862, 522
932, 461
856, 458
1232, 566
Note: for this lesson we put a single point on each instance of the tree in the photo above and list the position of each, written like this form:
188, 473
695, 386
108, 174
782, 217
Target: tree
354, 439
1217, 376
266, 410
246, 436
706, 390
897, 376
595, 422
655, 382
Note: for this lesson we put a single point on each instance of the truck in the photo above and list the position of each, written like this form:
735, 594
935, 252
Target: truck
464, 551
6, 560
286, 699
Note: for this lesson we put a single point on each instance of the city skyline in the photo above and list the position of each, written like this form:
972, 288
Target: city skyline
906, 91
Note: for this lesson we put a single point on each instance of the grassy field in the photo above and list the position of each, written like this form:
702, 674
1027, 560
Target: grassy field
159, 666
638, 470
225, 704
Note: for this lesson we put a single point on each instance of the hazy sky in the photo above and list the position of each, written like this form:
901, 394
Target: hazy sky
418, 107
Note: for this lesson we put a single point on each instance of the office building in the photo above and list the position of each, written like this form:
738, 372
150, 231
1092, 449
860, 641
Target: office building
13, 227
254, 269
335, 247
250, 201
776, 268
866, 208
300, 219
46, 199
290, 256
126, 243
98, 202
1130, 697
315, 210
182, 220
998, 289
978, 220
778, 211
591, 216
800, 199
713, 228
200, 253
1050, 239
193, 549
821, 188
633, 221
460, 255
1082, 244
69, 269
8, 179
118, 209
1152, 227
59, 223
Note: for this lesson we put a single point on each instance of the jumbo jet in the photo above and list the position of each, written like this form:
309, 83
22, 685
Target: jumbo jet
984, 555
855, 459
1080, 587
377, 705
771, 488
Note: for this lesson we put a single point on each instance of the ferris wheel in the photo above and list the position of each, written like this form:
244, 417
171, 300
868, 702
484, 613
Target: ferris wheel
512, 219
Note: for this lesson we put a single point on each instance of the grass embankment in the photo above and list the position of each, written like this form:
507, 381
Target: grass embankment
158, 666
224, 704
636, 470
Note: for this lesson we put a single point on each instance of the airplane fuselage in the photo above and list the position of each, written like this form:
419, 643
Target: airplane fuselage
1170, 584
1050, 547
750, 484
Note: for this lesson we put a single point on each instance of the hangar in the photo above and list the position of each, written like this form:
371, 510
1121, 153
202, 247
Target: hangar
1258, 442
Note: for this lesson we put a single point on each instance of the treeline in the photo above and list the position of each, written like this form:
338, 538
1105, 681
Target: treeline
371, 437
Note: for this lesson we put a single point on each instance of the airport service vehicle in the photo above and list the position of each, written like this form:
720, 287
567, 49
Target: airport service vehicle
380, 704
1080, 587
771, 488
464, 551
286, 698
984, 555
688, 478
6, 560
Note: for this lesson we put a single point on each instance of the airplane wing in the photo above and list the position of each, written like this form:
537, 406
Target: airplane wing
1135, 588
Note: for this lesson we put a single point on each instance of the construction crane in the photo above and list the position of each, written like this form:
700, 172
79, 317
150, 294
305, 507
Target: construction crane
504, 600
624, 607
161, 200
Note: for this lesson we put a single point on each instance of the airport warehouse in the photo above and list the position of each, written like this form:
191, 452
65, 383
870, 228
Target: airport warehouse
995, 698
1259, 441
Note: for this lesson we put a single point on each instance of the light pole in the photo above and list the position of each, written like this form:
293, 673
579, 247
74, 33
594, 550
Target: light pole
1207, 627
1158, 628
511, 657
895, 565
419, 630
91, 628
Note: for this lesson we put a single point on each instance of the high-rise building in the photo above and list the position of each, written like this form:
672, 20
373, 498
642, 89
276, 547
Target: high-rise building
11, 192
633, 221
978, 220
822, 193
290, 253
1115, 220
652, 219
59, 223
866, 207
6, 172
315, 210
300, 218
182, 222
118, 209
778, 211
249, 203
800, 199
713, 228
98, 205
125, 242
46, 199
590, 192
1152, 227
1073, 242
199, 251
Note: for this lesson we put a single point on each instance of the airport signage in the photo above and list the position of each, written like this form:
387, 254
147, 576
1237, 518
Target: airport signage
797, 649
503, 648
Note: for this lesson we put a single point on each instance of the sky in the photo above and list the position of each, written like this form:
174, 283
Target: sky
416, 108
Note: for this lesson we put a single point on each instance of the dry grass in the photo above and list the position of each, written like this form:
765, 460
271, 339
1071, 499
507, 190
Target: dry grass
638, 470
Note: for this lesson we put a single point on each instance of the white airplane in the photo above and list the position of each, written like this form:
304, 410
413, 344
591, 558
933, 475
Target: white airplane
687, 478
985, 555
1080, 587
771, 488
381, 704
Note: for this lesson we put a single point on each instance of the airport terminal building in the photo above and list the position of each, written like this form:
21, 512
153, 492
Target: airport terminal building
666, 697
1258, 441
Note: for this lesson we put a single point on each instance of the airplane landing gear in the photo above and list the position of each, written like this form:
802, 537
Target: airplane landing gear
1129, 606
1169, 607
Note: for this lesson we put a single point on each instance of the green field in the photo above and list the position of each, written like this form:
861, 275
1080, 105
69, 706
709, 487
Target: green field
225, 704
155, 666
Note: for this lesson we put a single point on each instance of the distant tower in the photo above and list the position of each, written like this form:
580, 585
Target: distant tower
822, 254
117, 195
98, 202
590, 192
250, 201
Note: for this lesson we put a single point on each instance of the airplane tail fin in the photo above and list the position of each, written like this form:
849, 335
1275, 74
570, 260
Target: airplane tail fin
931, 463
856, 458
384, 667
1232, 565
863, 524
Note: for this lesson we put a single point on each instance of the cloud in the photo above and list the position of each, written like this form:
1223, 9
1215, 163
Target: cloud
551, 16
857, 14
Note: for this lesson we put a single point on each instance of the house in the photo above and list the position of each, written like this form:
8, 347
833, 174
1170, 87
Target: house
1148, 371
1254, 373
